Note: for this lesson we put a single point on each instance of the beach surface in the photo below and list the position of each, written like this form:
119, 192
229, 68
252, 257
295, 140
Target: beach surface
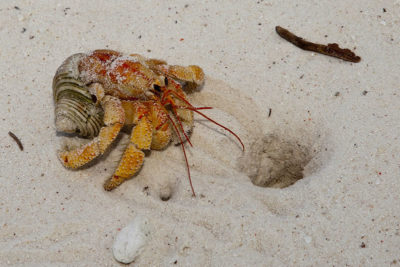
317, 185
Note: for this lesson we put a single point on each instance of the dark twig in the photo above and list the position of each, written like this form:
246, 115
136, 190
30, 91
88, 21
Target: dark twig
332, 50
16, 139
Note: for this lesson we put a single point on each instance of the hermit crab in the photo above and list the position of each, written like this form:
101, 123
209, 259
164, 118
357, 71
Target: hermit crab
97, 93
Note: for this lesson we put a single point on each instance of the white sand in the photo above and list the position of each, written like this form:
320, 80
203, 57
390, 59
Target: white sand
344, 212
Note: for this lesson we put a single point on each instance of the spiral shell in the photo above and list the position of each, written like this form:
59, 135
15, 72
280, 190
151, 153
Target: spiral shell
75, 109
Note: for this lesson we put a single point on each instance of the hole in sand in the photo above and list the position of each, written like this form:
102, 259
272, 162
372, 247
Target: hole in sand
165, 193
276, 162
165, 197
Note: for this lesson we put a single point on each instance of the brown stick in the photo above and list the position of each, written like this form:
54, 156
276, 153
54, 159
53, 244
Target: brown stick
16, 139
332, 50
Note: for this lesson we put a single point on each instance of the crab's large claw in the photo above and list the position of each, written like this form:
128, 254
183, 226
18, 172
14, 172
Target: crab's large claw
192, 75
114, 118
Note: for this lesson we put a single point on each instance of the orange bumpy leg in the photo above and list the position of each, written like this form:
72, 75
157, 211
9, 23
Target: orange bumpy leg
114, 118
161, 130
161, 137
133, 157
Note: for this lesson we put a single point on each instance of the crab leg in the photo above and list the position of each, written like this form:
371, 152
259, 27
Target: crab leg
114, 118
151, 132
161, 129
133, 157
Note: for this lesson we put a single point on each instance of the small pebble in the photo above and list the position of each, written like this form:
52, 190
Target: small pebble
131, 240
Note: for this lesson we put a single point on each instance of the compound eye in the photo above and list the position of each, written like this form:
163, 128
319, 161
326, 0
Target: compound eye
94, 98
157, 88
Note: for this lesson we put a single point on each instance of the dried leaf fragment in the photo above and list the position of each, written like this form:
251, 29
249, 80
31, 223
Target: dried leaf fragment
16, 139
332, 50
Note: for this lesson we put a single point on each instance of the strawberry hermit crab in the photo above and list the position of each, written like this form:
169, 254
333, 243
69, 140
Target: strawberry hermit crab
96, 94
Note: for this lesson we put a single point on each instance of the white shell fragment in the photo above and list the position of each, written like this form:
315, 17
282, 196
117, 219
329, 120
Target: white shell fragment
131, 240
